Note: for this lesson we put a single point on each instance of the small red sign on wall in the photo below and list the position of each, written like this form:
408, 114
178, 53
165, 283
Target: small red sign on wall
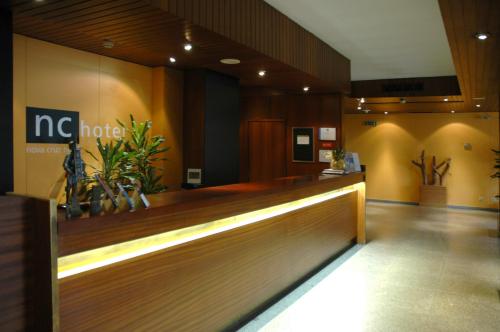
327, 145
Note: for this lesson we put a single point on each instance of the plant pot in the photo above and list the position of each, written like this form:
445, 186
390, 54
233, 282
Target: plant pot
431, 195
337, 164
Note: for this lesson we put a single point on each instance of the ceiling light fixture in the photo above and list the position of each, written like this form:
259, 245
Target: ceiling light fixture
386, 113
262, 73
306, 88
478, 105
452, 111
362, 100
359, 108
106, 43
172, 59
188, 47
402, 100
482, 35
230, 61
445, 99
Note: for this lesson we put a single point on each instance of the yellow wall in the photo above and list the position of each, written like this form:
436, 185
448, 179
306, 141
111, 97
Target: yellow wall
388, 148
101, 89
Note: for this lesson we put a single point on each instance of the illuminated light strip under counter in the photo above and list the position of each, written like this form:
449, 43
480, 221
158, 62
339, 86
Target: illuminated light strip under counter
96, 258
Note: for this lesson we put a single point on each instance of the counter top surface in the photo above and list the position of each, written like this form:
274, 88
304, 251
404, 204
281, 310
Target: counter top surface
184, 208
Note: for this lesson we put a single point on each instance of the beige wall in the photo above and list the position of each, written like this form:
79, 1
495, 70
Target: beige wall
101, 89
388, 149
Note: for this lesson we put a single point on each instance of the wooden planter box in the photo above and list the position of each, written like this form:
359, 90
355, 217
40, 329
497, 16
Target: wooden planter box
431, 195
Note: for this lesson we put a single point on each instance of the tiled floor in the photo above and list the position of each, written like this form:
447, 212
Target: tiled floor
424, 269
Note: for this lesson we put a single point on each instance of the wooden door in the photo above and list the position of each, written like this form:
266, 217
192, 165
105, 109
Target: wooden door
266, 149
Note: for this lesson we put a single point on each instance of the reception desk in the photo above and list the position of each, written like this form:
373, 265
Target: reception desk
206, 259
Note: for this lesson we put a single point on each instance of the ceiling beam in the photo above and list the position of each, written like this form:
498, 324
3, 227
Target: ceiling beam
404, 87
476, 61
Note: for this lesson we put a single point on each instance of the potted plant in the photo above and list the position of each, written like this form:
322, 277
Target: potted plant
338, 156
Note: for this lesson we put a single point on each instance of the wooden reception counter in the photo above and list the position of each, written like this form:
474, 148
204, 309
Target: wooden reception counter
206, 259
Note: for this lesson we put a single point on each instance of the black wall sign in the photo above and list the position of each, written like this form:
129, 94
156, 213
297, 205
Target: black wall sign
51, 126
303, 144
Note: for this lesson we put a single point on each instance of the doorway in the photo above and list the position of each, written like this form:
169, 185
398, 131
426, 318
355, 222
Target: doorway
266, 149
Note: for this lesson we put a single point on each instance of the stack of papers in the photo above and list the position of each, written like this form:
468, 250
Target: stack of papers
334, 171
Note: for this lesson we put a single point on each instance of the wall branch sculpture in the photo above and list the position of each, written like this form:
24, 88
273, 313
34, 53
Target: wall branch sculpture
439, 171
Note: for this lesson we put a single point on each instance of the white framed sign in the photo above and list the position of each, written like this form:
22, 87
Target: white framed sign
327, 134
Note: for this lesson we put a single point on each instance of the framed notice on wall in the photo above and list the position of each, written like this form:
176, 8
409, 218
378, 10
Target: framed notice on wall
303, 144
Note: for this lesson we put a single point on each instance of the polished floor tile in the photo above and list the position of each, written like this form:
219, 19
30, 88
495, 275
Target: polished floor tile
423, 269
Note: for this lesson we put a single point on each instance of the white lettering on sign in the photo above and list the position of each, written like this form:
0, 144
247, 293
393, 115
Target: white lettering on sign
60, 127
49, 124
105, 131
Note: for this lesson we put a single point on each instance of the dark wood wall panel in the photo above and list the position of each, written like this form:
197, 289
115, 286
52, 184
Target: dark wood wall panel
213, 283
28, 289
476, 62
297, 111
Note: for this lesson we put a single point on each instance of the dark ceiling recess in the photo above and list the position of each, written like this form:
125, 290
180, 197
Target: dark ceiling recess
405, 87
149, 32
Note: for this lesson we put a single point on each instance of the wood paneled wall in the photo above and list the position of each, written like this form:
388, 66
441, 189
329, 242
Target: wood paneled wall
28, 288
322, 110
259, 26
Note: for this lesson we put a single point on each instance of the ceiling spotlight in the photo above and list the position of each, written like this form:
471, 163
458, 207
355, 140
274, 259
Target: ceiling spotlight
306, 88
172, 59
230, 61
445, 99
478, 105
106, 43
386, 113
359, 108
362, 100
452, 111
188, 47
262, 73
482, 35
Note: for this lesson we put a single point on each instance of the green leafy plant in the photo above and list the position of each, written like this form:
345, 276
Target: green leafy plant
338, 154
112, 162
143, 152
496, 175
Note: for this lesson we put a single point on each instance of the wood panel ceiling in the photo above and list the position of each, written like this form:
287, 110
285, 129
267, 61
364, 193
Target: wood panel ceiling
476, 61
148, 32
429, 104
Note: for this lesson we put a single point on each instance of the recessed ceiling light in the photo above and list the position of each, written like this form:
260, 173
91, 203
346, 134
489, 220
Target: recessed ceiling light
262, 73
230, 61
306, 88
386, 113
445, 99
359, 108
482, 35
362, 100
106, 43
188, 47
172, 59
452, 111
